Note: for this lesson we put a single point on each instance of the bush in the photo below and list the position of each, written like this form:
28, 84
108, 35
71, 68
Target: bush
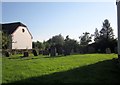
7, 54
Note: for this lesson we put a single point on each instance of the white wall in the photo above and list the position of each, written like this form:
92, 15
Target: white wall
21, 40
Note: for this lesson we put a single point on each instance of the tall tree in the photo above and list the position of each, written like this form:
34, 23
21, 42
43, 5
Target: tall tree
70, 45
106, 31
85, 38
96, 35
56, 44
58, 39
105, 38
5, 41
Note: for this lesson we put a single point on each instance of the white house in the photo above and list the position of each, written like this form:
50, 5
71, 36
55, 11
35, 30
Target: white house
21, 37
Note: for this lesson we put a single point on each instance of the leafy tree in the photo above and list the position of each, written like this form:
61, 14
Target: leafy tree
58, 39
70, 45
5, 41
46, 44
85, 39
105, 38
67, 47
38, 45
106, 31
96, 35
56, 42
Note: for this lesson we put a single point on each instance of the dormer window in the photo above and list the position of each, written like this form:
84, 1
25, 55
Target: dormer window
23, 30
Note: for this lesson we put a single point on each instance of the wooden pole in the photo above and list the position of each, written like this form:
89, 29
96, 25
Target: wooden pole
118, 26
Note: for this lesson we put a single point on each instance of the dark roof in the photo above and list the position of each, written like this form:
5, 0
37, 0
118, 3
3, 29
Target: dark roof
9, 28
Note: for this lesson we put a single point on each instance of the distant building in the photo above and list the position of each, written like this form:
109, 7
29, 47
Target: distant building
21, 37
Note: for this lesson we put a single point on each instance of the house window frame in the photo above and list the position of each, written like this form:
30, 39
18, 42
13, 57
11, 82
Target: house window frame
23, 30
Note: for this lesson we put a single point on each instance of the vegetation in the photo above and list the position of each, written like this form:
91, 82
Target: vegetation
58, 69
5, 40
81, 68
103, 40
85, 39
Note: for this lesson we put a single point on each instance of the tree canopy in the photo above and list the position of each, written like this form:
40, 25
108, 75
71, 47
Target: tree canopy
85, 38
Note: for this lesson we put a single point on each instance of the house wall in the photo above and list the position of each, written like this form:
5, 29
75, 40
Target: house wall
20, 39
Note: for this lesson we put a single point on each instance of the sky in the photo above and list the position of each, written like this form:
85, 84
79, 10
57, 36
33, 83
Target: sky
47, 19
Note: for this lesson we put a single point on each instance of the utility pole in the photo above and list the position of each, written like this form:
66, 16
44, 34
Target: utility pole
118, 25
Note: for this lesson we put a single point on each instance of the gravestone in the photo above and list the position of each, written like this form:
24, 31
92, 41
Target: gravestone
35, 53
108, 51
25, 54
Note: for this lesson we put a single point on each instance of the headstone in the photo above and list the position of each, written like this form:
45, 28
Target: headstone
108, 51
26, 54
35, 53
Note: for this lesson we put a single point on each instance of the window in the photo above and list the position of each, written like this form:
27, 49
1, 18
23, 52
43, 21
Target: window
23, 30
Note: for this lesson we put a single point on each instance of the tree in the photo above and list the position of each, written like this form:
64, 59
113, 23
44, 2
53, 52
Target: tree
38, 45
106, 31
85, 39
70, 45
58, 39
56, 43
46, 44
96, 35
5, 41
105, 38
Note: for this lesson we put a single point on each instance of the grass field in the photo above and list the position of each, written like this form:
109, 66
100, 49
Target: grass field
82, 69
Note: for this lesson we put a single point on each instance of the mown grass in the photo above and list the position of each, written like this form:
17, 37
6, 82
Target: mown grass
81, 68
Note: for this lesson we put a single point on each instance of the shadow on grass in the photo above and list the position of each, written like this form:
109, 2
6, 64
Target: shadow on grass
104, 72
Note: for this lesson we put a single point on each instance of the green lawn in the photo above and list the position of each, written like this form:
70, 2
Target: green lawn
82, 68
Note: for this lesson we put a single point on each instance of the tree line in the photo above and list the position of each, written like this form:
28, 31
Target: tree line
103, 40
